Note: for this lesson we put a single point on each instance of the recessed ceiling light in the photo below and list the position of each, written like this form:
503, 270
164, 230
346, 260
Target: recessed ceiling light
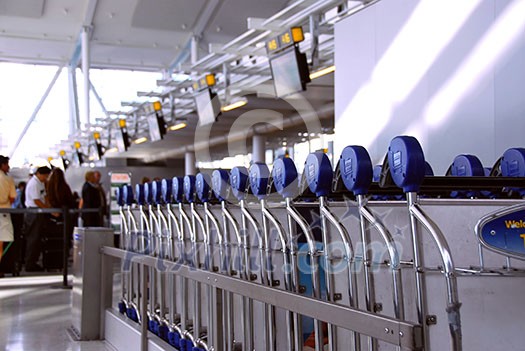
218, 29
184, 26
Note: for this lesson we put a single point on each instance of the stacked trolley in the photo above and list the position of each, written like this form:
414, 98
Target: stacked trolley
253, 259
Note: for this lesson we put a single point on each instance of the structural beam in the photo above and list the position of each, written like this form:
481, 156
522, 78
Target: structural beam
84, 36
74, 115
37, 109
99, 99
189, 163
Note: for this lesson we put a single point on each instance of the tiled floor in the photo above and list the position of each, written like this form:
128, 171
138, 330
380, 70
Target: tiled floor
35, 315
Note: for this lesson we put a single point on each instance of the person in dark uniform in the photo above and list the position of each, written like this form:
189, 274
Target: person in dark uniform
92, 199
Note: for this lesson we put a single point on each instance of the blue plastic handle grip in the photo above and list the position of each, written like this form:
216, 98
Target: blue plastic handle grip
119, 195
513, 163
259, 179
356, 169
156, 191
239, 182
220, 184
407, 163
189, 188
178, 189
148, 193
166, 185
127, 193
285, 178
319, 173
202, 185
139, 194
467, 166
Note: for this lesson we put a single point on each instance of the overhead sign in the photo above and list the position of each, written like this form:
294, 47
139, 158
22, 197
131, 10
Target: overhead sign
292, 36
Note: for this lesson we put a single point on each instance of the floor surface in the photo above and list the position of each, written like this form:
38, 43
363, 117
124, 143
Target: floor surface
35, 314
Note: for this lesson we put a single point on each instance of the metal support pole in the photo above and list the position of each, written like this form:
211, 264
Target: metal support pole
74, 116
37, 109
194, 49
259, 148
314, 39
86, 62
189, 163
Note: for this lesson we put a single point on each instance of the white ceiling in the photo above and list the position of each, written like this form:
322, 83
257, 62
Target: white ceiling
136, 34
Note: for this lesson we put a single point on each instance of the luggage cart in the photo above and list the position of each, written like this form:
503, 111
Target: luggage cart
285, 179
407, 163
319, 177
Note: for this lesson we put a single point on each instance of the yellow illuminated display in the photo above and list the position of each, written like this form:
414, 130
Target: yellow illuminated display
157, 106
272, 45
286, 39
77, 145
96, 135
210, 79
62, 153
49, 159
196, 86
523, 237
293, 36
122, 123
297, 34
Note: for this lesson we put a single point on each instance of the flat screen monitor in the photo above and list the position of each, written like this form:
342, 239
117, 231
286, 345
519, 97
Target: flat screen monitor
155, 133
290, 72
122, 140
95, 153
208, 108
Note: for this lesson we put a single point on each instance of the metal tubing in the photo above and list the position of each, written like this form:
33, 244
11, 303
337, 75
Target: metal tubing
184, 259
417, 251
124, 278
291, 332
248, 304
177, 224
395, 262
197, 326
294, 260
228, 218
132, 246
268, 272
368, 276
400, 333
313, 252
453, 304
326, 214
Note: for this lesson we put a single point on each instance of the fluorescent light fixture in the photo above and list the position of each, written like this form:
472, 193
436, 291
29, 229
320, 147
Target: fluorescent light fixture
141, 140
178, 126
322, 72
113, 149
236, 103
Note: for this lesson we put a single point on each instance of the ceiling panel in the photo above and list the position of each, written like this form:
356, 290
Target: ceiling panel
172, 15
22, 8
230, 20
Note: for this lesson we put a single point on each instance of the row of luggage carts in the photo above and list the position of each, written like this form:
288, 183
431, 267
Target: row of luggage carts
384, 249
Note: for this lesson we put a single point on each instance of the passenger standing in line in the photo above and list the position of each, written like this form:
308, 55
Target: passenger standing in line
7, 197
20, 196
91, 199
103, 199
33, 222
59, 195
